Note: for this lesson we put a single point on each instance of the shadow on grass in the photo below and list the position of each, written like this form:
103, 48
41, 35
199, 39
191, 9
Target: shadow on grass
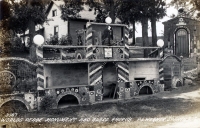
153, 107
149, 108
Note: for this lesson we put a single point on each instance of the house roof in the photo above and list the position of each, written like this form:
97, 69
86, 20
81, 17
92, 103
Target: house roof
85, 13
57, 3
168, 21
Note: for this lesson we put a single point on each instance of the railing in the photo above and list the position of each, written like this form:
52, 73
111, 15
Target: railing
58, 52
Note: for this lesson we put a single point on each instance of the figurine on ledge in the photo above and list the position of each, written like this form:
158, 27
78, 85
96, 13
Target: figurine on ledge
107, 36
79, 37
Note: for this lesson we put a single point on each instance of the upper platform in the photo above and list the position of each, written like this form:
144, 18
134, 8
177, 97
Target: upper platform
100, 42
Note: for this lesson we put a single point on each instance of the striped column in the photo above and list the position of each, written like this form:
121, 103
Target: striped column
89, 49
126, 50
95, 73
161, 72
39, 53
123, 71
40, 69
161, 53
198, 47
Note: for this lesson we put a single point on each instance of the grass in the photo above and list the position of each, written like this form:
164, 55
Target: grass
151, 108
114, 113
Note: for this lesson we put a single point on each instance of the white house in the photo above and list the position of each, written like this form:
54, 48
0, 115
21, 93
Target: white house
55, 25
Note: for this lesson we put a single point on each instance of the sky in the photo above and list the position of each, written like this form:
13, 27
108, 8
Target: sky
159, 25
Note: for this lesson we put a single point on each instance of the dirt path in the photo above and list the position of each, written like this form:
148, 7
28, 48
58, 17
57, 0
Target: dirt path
190, 93
189, 120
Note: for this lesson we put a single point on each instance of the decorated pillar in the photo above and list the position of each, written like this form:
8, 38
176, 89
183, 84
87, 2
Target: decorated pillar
123, 77
126, 50
95, 80
89, 41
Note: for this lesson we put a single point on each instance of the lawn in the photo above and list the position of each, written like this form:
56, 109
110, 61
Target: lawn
142, 111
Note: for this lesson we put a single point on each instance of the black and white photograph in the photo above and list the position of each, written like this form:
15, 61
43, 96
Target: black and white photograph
99, 63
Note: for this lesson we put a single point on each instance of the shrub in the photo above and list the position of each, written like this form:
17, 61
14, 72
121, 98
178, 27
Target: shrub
53, 40
17, 44
65, 40
47, 103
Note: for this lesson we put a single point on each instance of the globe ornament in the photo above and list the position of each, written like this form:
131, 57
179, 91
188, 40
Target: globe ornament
38, 40
160, 43
108, 20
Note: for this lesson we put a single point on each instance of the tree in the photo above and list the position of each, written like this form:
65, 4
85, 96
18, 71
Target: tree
25, 15
71, 9
129, 13
143, 7
29, 13
156, 11
5, 10
191, 7
104, 8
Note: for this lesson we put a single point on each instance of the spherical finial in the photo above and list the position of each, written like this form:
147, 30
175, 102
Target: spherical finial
38, 39
108, 20
160, 43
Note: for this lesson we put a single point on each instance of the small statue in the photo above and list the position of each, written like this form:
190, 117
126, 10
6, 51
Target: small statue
107, 36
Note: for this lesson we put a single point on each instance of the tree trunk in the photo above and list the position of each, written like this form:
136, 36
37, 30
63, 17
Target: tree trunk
133, 34
145, 35
32, 49
31, 27
154, 33
112, 11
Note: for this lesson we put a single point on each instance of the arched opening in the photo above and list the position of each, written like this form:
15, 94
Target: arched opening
178, 84
109, 81
13, 106
182, 43
146, 90
67, 100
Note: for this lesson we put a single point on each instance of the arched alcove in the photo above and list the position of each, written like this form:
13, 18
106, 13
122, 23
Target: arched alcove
109, 80
68, 100
14, 106
145, 90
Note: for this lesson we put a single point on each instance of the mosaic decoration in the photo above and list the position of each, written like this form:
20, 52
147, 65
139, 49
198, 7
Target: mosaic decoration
123, 71
70, 89
40, 76
139, 83
39, 53
146, 84
40, 69
95, 73
127, 93
92, 96
126, 50
118, 53
65, 54
98, 95
7, 78
161, 72
121, 91
89, 49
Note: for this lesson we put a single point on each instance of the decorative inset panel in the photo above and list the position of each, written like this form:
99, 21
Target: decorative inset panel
123, 71
95, 73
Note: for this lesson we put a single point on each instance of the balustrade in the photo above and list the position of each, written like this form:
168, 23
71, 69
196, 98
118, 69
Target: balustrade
99, 52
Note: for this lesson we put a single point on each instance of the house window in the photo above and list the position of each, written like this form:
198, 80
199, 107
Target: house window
54, 13
55, 30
